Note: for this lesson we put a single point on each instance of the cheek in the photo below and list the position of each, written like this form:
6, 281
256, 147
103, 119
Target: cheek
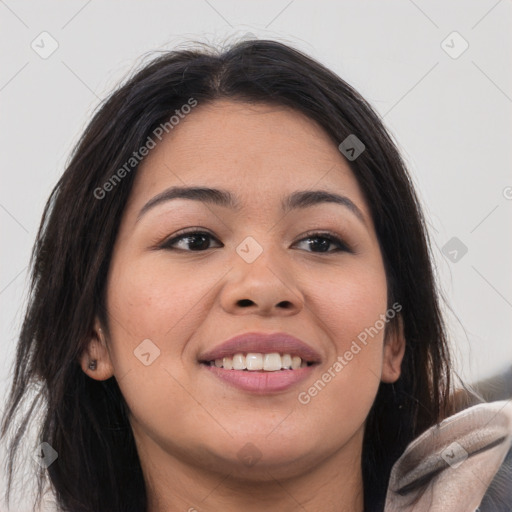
149, 297
151, 301
350, 303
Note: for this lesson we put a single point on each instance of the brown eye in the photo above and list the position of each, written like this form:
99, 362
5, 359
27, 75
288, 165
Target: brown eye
193, 241
321, 242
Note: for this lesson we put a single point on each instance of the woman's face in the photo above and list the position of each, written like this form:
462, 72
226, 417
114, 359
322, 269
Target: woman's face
254, 268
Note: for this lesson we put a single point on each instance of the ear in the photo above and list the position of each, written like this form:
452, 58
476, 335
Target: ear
97, 351
394, 350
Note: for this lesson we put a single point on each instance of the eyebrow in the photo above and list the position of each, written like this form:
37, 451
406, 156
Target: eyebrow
224, 198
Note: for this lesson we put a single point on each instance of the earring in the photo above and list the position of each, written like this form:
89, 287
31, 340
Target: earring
92, 364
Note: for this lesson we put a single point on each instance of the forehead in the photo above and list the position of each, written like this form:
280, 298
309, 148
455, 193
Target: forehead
260, 152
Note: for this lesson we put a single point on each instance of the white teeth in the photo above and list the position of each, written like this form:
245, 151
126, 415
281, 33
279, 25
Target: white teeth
296, 360
272, 362
256, 362
238, 362
286, 361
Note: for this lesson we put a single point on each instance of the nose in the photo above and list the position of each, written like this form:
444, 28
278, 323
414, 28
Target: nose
262, 287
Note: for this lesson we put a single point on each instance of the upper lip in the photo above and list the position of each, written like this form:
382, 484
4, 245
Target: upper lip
263, 343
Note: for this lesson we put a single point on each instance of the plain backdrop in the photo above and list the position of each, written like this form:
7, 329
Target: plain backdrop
438, 72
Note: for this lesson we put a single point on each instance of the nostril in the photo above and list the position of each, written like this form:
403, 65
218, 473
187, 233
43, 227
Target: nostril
245, 302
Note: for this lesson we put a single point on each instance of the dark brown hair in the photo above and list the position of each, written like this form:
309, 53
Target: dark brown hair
86, 421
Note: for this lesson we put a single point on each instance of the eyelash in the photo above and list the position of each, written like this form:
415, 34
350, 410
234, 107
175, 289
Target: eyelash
341, 246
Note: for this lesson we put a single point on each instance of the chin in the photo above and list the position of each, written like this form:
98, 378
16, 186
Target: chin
254, 456
254, 464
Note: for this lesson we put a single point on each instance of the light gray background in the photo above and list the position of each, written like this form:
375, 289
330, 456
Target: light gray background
449, 116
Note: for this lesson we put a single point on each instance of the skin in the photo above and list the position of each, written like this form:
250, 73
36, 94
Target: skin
190, 426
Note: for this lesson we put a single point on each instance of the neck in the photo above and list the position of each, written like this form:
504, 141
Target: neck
174, 485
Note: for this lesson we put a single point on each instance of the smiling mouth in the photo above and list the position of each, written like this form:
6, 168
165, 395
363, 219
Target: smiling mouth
254, 361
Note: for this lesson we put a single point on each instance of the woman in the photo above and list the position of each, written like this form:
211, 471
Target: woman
233, 304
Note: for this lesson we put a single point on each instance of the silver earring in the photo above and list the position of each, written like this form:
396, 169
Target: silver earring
92, 364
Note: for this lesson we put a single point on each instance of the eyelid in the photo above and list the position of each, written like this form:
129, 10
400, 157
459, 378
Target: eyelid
190, 231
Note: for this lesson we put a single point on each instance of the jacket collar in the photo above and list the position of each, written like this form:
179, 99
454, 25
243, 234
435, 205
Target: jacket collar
449, 468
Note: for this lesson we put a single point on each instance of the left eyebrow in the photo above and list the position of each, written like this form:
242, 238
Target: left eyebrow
307, 198
296, 200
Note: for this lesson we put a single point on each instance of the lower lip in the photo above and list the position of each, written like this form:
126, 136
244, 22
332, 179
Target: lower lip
261, 382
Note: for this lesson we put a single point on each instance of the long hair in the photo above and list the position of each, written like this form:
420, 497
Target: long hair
86, 421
